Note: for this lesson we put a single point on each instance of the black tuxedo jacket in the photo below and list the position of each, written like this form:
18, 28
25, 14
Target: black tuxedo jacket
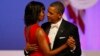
65, 30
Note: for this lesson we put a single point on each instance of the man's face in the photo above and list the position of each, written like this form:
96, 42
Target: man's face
53, 16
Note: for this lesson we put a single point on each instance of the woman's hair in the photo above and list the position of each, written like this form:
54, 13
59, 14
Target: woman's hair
32, 12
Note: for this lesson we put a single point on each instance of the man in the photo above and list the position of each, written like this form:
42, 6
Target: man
60, 30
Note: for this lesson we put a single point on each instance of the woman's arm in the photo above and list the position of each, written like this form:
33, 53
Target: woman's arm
41, 37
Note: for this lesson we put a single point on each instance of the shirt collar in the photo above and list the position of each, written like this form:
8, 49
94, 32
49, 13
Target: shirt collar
58, 23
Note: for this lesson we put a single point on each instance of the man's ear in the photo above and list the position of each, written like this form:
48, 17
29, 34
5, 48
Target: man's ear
60, 15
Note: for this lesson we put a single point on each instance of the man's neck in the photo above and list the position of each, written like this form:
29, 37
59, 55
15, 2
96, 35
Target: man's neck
56, 21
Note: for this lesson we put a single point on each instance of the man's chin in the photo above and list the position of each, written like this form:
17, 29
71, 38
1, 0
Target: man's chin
49, 21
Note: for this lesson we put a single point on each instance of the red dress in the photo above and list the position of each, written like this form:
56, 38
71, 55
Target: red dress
31, 38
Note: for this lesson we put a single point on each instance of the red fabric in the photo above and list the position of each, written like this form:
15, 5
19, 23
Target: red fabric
31, 38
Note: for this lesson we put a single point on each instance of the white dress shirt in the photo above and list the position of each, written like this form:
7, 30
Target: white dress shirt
53, 31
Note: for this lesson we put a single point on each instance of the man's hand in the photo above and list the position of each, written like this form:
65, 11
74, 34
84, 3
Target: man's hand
71, 42
31, 47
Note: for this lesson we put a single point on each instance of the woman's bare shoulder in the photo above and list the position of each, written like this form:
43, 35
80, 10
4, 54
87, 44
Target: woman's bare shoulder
40, 31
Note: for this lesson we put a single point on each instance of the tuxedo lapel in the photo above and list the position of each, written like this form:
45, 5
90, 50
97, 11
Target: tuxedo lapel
48, 28
60, 36
61, 29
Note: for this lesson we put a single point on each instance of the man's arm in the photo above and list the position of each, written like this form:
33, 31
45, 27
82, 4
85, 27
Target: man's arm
75, 42
30, 48
71, 43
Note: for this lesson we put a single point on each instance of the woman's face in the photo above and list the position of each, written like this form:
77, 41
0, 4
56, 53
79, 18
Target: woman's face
41, 16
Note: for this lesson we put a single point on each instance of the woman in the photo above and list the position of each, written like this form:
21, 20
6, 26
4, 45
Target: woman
34, 34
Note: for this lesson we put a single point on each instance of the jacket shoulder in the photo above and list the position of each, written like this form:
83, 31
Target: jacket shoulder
44, 25
69, 24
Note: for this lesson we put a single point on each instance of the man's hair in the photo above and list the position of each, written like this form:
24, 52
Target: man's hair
59, 6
